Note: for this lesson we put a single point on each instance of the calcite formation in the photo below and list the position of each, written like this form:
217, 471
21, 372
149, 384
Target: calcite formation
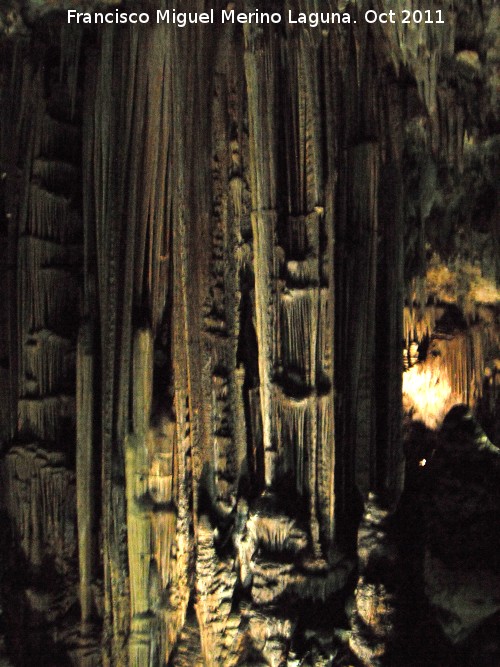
234, 260
461, 567
376, 593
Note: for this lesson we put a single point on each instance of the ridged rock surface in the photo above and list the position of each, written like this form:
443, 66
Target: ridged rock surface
220, 247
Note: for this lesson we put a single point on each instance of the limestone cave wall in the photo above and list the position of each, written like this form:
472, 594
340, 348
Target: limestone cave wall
246, 271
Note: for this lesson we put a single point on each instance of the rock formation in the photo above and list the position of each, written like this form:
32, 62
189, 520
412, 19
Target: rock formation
240, 264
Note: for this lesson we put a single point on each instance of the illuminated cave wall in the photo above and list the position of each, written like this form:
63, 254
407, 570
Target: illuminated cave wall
220, 249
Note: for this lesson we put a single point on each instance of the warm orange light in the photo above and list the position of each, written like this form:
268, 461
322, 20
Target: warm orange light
427, 393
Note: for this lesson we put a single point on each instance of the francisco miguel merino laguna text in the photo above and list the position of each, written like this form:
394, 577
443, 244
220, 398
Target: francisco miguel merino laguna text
312, 19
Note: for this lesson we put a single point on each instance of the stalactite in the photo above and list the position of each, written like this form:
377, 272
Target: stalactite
71, 49
139, 527
41, 504
326, 466
42, 417
360, 277
418, 323
453, 373
140, 189
293, 421
46, 363
260, 72
296, 309
299, 325
85, 473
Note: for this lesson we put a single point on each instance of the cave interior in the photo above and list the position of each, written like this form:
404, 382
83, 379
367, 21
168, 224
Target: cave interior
249, 338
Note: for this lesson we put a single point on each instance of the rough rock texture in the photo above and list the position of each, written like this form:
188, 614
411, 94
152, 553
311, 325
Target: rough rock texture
374, 617
215, 245
462, 566
447, 531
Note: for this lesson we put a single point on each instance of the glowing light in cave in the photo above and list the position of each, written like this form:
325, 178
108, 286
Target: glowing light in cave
427, 394
422, 463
